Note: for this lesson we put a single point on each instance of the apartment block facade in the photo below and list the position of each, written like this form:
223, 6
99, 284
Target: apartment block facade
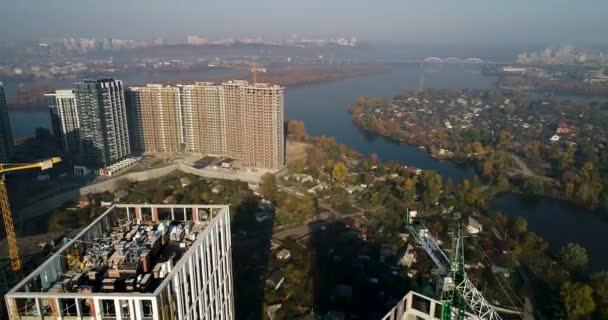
236, 119
103, 121
156, 118
6, 134
64, 119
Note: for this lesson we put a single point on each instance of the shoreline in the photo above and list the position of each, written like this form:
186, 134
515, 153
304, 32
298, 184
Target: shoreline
288, 78
466, 161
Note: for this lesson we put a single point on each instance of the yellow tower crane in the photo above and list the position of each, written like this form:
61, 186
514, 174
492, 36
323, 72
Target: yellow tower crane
7, 214
254, 71
252, 67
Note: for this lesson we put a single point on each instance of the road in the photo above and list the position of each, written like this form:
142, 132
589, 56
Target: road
304, 229
525, 170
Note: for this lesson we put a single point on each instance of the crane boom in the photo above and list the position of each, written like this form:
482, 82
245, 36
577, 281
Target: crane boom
7, 214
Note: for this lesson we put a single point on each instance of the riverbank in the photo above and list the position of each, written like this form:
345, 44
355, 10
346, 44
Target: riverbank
32, 99
563, 144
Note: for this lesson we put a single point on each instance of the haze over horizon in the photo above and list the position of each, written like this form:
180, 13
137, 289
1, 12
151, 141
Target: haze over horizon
396, 22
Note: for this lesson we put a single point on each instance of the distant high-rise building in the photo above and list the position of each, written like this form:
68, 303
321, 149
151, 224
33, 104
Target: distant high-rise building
255, 132
6, 135
64, 118
204, 118
236, 119
103, 121
155, 118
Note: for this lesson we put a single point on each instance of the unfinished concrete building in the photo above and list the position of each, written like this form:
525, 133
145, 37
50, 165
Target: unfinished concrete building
136, 262
237, 119
157, 125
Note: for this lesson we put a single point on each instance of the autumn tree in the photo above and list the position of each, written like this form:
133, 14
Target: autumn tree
296, 130
599, 283
577, 299
431, 186
268, 187
408, 189
477, 147
340, 172
519, 225
534, 185
573, 256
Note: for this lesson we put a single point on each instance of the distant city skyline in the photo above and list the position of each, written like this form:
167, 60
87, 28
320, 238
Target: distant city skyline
403, 22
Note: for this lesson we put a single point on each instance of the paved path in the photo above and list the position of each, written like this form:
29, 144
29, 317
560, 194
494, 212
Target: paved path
525, 170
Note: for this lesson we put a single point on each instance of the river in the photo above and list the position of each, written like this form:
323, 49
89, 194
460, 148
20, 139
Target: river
559, 222
323, 108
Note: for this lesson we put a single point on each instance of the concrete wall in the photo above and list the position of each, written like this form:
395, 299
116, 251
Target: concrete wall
44, 206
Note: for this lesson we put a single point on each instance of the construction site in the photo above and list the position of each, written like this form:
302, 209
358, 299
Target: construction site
136, 262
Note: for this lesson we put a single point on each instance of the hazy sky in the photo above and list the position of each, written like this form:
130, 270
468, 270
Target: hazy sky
397, 21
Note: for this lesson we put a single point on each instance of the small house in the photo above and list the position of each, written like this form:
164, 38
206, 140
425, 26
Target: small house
302, 177
474, 227
275, 280
353, 189
284, 254
218, 188
318, 188
185, 181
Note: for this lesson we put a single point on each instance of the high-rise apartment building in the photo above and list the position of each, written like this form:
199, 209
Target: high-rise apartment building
103, 121
149, 262
236, 119
156, 118
64, 118
6, 134
204, 118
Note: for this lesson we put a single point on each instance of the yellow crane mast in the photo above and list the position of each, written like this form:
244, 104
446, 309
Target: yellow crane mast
254, 68
7, 214
254, 71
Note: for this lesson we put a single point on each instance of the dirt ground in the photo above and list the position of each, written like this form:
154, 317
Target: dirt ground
296, 150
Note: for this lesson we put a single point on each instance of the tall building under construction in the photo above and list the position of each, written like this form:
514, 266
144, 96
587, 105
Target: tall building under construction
236, 119
148, 262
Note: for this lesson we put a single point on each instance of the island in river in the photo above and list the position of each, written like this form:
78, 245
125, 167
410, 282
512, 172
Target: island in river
544, 146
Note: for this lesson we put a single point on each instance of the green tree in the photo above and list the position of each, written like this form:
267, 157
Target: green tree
577, 299
573, 256
534, 185
340, 172
599, 283
268, 187
431, 185
519, 225
408, 190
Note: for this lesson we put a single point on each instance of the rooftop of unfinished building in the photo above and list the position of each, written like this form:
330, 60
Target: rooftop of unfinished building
128, 249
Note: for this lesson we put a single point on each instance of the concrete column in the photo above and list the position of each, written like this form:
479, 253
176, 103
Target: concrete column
179, 297
131, 310
138, 309
155, 214
96, 312
38, 308
78, 308
118, 309
193, 292
155, 311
